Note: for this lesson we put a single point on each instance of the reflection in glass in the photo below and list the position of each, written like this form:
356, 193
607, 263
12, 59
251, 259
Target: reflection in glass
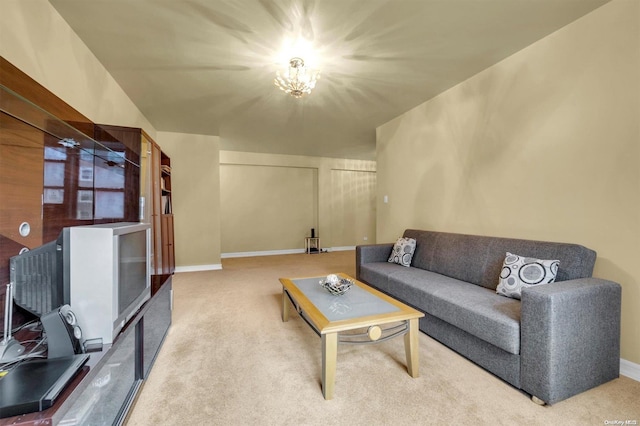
85, 174
109, 204
53, 173
85, 205
52, 153
109, 170
53, 196
85, 169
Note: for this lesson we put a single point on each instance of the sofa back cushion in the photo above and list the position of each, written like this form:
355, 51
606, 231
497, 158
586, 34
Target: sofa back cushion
478, 259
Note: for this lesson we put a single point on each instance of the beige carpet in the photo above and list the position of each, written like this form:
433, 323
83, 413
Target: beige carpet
228, 359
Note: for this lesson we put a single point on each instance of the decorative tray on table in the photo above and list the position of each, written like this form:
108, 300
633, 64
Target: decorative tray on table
336, 285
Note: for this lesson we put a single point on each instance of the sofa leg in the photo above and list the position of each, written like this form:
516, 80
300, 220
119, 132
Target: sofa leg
537, 400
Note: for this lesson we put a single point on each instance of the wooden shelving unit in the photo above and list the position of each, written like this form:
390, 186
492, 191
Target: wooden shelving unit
166, 216
155, 189
161, 209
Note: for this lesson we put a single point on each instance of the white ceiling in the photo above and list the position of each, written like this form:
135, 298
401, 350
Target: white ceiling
207, 66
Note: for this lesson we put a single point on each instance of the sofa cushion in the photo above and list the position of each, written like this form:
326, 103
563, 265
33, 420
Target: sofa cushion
519, 272
377, 273
474, 309
402, 251
478, 259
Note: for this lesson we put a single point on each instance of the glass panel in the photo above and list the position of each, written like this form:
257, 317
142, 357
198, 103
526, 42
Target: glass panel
355, 303
66, 135
109, 205
157, 320
53, 173
51, 153
111, 177
85, 205
53, 196
100, 402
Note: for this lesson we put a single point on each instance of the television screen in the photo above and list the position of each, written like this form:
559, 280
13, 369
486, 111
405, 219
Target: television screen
132, 269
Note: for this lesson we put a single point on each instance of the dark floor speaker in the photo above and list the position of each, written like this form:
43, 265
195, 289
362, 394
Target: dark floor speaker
64, 335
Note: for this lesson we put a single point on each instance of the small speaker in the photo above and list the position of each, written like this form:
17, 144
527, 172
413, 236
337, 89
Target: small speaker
313, 232
64, 335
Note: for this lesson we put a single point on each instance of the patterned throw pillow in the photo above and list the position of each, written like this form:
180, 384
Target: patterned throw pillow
403, 251
520, 272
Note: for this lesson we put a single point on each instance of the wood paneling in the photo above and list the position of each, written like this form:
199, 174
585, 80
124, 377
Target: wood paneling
168, 251
50, 185
21, 169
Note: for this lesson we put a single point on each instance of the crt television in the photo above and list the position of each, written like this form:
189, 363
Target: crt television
101, 271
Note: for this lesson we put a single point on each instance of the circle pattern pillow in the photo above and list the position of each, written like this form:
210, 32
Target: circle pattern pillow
519, 272
402, 252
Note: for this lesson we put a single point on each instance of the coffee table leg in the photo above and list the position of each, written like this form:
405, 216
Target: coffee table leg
411, 348
285, 306
329, 357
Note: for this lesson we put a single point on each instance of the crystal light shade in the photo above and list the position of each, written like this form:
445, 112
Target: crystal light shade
297, 80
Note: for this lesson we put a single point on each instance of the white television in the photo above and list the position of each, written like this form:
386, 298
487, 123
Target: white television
101, 271
107, 268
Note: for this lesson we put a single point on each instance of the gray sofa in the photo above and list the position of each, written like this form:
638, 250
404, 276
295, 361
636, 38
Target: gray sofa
559, 340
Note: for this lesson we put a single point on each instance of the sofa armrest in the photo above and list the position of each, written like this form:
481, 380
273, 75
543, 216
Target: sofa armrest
570, 337
372, 253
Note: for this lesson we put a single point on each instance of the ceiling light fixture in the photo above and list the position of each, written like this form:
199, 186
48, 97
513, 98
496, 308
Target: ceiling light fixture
297, 80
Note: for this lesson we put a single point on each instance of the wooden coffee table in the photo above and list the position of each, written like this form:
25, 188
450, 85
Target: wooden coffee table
334, 319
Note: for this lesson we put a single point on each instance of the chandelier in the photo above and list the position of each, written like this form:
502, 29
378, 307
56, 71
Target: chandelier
297, 80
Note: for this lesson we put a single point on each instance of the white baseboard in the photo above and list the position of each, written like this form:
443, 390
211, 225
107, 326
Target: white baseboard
196, 268
261, 253
277, 252
345, 248
630, 369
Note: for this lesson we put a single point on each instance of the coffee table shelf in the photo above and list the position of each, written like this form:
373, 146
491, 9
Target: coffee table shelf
362, 307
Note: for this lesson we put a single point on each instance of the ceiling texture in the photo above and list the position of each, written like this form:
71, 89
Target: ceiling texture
207, 66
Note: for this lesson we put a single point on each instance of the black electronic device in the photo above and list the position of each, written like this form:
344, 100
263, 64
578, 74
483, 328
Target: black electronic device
63, 333
34, 385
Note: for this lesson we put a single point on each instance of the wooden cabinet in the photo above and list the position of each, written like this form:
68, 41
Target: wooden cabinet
155, 193
21, 171
166, 215
105, 389
57, 169
161, 210
168, 253
155, 203
168, 264
108, 391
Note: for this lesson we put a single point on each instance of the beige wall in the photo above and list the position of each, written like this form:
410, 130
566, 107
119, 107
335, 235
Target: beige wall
543, 145
35, 38
353, 207
327, 194
195, 192
266, 208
